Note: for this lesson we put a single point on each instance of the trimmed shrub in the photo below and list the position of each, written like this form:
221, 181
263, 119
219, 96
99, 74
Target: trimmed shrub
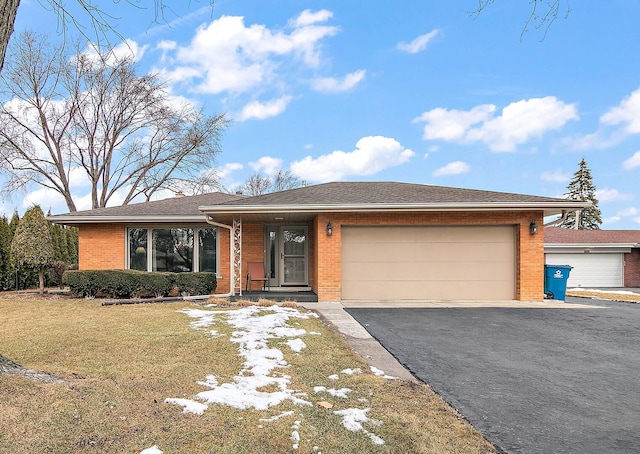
195, 283
141, 284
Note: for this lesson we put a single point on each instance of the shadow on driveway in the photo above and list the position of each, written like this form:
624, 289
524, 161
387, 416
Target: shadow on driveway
531, 380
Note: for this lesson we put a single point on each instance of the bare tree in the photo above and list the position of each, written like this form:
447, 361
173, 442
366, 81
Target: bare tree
281, 180
542, 15
93, 22
89, 115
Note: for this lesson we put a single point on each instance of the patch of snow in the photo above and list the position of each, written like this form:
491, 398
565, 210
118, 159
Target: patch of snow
296, 344
253, 327
380, 373
189, 406
357, 370
341, 393
295, 435
152, 450
353, 418
276, 417
333, 377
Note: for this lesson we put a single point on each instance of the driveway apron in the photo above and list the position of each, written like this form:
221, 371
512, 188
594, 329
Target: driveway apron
531, 380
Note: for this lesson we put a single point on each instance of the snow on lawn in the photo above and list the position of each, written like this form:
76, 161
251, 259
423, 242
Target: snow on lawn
253, 327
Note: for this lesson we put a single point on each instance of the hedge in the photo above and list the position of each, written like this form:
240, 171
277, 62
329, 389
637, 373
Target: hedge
132, 284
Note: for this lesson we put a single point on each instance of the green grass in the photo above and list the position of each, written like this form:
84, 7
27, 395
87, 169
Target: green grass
122, 362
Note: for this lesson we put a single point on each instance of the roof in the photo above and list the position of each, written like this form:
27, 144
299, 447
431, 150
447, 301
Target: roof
174, 209
303, 203
558, 235
384, 196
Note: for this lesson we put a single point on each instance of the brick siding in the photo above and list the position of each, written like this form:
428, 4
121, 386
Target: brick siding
102, 246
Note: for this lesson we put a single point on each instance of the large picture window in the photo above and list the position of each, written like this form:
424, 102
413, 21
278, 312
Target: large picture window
174, 249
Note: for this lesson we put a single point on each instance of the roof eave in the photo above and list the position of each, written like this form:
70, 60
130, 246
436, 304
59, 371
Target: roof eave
147, 219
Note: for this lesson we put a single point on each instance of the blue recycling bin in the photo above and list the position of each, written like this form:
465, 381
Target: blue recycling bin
555, 281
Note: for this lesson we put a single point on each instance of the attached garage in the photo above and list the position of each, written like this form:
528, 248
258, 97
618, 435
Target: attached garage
428, 263
592, 269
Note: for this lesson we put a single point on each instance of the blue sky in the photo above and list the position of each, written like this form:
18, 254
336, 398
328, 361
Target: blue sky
412, 91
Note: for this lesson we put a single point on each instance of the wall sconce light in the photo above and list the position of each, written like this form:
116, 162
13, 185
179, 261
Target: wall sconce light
329, 229
533, 228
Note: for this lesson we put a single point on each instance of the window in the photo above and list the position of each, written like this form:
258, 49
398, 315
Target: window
174, 249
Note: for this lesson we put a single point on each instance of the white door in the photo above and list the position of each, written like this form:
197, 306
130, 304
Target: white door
591, 270
428, 263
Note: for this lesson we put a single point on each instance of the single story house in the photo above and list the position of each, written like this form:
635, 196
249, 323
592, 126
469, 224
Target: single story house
600, 258
343, 241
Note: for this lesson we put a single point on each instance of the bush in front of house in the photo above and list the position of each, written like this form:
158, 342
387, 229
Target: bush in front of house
195, 283
137, 284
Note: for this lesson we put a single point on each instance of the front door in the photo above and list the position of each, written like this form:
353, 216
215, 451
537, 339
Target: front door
287, 256
294, 261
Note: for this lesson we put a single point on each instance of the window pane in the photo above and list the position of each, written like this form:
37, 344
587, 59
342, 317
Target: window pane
138, 249
172, 250
207, 249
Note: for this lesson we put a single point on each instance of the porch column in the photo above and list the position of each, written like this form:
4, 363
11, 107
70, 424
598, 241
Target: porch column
236, 284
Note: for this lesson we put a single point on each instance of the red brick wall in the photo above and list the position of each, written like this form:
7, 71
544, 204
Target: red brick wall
529, 253
101, 246
632, 268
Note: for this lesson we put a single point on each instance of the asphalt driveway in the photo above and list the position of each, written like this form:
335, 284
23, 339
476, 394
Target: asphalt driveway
531, 380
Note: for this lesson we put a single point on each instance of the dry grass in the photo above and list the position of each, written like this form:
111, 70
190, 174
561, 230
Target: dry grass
630, 298
121, 363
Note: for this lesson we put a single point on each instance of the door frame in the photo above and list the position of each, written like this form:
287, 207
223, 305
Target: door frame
274, 251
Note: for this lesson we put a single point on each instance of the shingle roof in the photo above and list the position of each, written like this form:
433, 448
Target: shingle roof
558, 235
342, 196
186, 206
356, 193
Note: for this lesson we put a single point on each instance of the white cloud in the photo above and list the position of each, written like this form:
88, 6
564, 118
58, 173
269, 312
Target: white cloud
632, 162
556, 176
371, 155
452, 125
227, 55
333, 85
419, 44
626, 113
308, 17
126, 49
226, 170
261, 111
610, 195
266, 164
453, 168
518, 122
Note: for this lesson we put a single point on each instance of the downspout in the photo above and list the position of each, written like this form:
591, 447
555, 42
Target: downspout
231, 274
556, 221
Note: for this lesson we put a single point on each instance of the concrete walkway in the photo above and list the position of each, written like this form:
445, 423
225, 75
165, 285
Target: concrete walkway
374, 353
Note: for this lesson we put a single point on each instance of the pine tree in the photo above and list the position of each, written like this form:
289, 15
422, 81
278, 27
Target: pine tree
31, 245
6, 270
581, 188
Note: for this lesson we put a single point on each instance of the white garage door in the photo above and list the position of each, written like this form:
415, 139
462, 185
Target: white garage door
591, 270
428, 263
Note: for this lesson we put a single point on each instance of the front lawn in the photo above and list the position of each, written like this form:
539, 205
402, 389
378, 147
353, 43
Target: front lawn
186, 378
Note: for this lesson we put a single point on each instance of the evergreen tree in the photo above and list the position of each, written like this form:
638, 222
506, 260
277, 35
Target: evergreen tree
581, 188
31, 245
6, 270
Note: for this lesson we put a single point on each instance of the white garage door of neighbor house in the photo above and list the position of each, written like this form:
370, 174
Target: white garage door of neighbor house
591, 270
428, 263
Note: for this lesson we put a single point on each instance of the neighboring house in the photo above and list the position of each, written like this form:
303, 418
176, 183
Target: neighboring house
600, 258
343, 241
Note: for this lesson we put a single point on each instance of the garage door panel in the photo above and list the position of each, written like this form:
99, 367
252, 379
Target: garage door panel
413, 263
591, 270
